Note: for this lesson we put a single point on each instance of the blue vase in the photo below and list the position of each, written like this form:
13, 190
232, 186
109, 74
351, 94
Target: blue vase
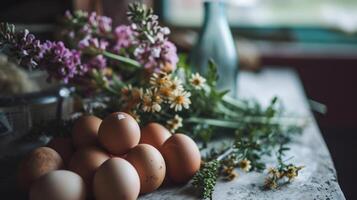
216, 42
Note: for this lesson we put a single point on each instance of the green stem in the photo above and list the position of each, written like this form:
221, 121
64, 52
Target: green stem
123, 59
225, 154
214, 122
110, 90
287, 121
234, 102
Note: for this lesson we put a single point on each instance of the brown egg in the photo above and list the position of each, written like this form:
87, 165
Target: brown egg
64, 148
150, 166
58, 185
85, 131
36, 164
118, 133
183, 159
116, 179
154, 134
86, 161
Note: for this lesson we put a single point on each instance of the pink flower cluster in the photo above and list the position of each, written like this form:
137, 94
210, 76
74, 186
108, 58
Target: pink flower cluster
60, 62
90, 38
155, 57
124, 37
96, 33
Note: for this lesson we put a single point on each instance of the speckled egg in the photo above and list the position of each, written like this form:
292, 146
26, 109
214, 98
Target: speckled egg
182, 157
63, 146
85, 131
150, 166
118, 133
116, 179
154, 134
86, 161
36, 164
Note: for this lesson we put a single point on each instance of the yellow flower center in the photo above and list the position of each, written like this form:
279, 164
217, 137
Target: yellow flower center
196, 82
157, 98
165, 91
161, 81
146, 102
180, 100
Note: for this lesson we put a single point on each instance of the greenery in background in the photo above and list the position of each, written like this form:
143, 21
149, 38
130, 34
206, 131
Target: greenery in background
136, 69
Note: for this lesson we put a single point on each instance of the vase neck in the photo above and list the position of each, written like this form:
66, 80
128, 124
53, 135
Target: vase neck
214, 11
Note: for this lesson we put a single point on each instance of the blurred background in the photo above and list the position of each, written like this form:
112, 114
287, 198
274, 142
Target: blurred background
316, 38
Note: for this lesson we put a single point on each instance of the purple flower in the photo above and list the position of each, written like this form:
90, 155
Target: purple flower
28, 49
20, 45
97, 62
123, 37
60, 62
85, 30
156, 56
169, 53
81, 25
68, 15
93, 44
103, 23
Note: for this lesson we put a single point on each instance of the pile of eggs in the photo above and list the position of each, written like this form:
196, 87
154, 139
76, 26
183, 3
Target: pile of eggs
108, 159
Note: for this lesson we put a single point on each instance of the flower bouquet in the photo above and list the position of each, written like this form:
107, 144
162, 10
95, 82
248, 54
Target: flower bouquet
136, 69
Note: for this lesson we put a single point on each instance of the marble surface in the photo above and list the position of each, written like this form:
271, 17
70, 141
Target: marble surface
317, 181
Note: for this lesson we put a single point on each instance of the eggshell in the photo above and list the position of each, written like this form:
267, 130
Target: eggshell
154, 134
85, 131
116, 179
86, 161
182, 157
58, 185
118, 133
37, 163
63, 146
150, 166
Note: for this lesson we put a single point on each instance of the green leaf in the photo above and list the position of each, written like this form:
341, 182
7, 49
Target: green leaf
212, 74
123, 59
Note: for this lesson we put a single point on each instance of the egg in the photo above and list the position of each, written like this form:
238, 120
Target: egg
86, 161
150, 166
116, 179
36, 164
63, 146
85, 131
118, 133
182, 157
154, 134
58, 185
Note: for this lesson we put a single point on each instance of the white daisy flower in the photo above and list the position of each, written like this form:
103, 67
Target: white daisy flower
173, 85
160, 79
175, 123
151, 101
180, 99
197, 81
176, 84
136, 93
245, 165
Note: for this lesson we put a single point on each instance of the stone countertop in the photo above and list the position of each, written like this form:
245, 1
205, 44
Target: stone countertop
317, 181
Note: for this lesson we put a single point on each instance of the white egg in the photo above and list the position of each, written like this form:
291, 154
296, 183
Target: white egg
58, 185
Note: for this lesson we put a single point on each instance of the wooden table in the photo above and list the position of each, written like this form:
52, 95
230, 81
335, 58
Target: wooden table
316, 181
